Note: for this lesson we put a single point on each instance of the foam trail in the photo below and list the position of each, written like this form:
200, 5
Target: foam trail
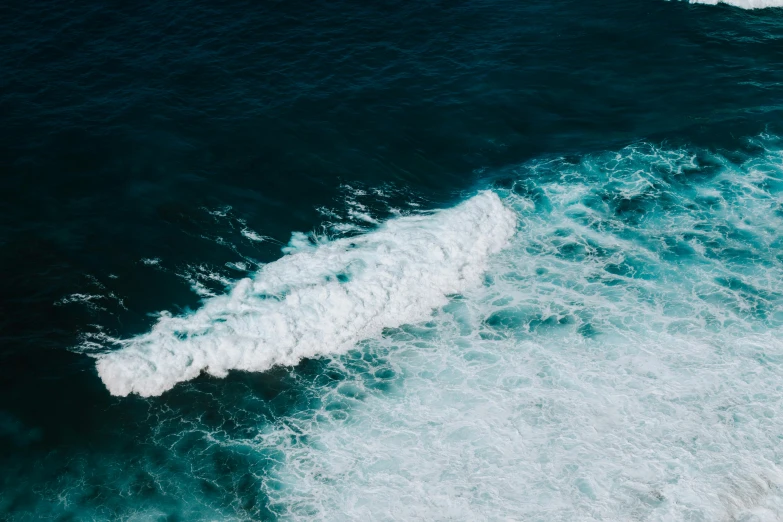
623, 361
743, 4
319, 301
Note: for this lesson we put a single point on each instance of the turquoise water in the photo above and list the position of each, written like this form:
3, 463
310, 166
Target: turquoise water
482, 261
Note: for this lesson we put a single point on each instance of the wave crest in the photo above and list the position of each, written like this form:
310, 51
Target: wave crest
318, 301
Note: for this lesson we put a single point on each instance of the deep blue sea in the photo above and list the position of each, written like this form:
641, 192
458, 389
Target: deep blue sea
375, 260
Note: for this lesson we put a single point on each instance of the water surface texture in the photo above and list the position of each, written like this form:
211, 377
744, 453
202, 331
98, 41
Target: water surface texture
480, 260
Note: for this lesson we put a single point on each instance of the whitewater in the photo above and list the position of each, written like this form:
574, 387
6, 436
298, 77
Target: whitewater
743, 4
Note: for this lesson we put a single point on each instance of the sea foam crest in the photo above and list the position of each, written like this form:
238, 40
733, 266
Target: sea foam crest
743, 4
319, 301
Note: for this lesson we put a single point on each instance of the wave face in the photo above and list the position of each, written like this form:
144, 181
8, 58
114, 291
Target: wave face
743, 4
320, 300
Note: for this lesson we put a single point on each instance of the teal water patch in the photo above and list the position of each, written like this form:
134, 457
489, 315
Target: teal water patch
400, 271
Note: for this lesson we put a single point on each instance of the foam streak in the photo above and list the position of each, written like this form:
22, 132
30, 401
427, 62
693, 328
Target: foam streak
743, 4
319, 301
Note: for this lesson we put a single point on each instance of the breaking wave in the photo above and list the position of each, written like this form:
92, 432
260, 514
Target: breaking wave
743, 4
318, 300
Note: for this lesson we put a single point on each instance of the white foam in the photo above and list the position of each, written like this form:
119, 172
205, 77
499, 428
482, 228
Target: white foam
605, 372
253, 236
319, 301
743, 4
86, 299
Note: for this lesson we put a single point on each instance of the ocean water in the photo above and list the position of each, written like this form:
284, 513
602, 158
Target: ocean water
481, 260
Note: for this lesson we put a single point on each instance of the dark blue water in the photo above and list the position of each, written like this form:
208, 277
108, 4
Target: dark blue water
152, 154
